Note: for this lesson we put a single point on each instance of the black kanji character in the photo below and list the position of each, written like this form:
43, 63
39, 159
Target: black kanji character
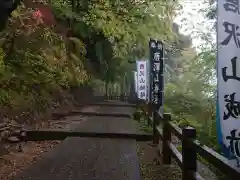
234, 71
142, 87
232, 5
142, 94
232, 30
234, 143
141, 73
232, 106
142, 80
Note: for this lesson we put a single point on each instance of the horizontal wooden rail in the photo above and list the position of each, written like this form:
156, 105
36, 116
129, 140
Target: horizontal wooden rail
187, 160
177, 131
207, 153
43, 135
160, 131
176, 154
101, 114
217, 160
74, 113
107, 105
111, 105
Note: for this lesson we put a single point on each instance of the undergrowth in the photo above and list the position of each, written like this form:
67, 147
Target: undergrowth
36, 62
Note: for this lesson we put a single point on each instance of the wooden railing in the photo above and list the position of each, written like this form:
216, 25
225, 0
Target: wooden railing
164, 128
116, 97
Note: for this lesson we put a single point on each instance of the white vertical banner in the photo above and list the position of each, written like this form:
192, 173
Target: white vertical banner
135, 81
148, 82
228, 72
142, 79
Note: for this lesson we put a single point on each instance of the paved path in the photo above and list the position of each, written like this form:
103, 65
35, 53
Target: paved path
91, 158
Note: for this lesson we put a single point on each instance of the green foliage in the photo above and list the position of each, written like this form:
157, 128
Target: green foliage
35, 62
190, 94
103, 36
115, 31
142, 121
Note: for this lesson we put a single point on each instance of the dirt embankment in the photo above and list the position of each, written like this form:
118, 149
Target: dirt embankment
16, 157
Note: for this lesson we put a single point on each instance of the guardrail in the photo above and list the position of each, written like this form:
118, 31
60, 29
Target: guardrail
163, 128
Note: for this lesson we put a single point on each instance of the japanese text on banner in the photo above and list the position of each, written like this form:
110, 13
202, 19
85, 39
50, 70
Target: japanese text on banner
142, 79
156, 57
228, 69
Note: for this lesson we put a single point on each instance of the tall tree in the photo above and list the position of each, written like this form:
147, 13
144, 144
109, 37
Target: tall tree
117, 30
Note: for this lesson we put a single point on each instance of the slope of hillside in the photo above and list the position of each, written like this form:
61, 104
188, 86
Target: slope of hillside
38, 64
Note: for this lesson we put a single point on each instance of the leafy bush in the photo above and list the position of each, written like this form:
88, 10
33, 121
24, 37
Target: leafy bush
35, 62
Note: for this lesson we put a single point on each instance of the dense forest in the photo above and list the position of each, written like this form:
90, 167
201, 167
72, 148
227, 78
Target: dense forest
49, 47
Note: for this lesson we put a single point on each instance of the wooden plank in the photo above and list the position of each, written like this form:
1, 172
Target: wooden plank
189, 154
166, 139
198, 176
176, 154
111, 105
176, 130
100, 114
160, 131
42, 135
217, 160
75, 112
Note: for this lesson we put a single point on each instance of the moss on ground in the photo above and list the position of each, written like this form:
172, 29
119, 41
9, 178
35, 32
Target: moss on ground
151, 167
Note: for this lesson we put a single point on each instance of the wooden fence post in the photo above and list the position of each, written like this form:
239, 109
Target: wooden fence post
155, 124
189, 154
167, 137
149, 113
121, 97
149, 119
